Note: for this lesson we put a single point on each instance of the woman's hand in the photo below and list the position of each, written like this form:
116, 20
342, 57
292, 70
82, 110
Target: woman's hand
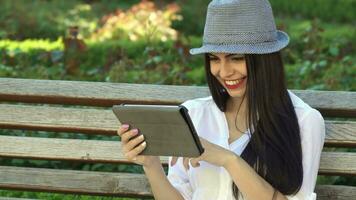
132, 145
213, 154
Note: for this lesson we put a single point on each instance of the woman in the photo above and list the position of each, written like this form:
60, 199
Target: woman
260, 140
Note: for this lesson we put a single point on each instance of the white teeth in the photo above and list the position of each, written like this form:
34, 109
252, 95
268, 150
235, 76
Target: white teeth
232, 82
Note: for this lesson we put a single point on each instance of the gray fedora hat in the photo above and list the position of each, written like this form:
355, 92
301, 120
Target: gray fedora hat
241, 26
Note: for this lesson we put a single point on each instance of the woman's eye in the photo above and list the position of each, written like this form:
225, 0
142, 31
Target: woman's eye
213, 59
238, 58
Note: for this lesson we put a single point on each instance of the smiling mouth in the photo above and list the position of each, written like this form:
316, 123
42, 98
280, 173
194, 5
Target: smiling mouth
234, 84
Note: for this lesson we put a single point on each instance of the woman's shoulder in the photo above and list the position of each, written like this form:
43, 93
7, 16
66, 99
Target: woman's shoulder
302, 109
197, 103
311, 125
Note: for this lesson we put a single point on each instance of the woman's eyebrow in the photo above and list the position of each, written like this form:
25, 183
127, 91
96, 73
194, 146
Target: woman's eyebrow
227, 56
237, 55
209, 54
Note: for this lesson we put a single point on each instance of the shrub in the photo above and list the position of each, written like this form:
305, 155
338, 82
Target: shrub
142, 21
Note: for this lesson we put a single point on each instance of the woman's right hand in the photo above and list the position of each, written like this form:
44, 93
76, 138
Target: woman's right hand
132, 146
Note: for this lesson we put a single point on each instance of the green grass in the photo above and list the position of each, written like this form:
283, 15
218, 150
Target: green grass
56, 196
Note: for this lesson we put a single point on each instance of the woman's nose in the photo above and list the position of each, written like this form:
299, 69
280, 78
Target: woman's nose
225, 70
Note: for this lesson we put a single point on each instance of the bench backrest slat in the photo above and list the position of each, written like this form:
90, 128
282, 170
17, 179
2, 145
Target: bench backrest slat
104, 122
108, 152
330, 103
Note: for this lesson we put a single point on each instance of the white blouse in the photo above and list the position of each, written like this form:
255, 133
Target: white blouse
211, 182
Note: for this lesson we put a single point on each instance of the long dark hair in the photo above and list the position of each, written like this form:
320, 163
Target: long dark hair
274, 150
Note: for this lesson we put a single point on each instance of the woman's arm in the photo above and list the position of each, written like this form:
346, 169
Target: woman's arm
251, 184
132, 146
161, 187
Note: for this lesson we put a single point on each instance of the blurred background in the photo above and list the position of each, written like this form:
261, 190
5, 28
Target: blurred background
142, 41
147, 41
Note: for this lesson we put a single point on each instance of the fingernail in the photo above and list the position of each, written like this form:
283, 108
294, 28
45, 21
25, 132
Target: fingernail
143, 143
141, 136
124, 126
135, 130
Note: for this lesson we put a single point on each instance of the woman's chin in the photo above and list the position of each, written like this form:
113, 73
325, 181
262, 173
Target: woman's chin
237, 93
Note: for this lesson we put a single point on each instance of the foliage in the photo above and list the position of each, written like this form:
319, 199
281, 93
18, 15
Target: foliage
141, 21
194, 13
22, 19
317, 59
341, 11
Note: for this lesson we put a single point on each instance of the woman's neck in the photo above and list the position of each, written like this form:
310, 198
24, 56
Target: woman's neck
236, 115
237, 104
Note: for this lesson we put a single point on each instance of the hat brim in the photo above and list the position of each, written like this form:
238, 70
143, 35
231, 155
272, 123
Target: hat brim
259, 48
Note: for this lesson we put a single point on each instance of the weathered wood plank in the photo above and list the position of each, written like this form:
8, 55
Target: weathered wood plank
103, 122
110, 184
335, 192
332, 163
54, 118
64, 149
340, 133
94, 93
337, 163
330, 103
74, 182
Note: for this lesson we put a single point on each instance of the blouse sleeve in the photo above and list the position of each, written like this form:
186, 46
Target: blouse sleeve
178, 177
312, 131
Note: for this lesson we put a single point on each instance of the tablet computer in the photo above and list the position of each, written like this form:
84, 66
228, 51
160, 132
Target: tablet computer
167, 129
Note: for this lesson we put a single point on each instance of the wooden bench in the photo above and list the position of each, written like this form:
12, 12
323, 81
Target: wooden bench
28, 104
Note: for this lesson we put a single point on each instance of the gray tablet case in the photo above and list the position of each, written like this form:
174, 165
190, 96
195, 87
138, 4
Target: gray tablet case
168, 130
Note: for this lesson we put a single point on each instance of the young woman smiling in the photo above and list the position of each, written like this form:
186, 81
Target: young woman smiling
260, 140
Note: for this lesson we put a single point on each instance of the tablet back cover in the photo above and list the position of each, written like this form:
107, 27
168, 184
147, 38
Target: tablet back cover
168, 130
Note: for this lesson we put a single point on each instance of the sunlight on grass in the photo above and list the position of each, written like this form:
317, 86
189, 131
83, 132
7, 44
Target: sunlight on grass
31, 44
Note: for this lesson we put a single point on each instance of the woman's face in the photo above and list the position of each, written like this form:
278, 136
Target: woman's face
230, 70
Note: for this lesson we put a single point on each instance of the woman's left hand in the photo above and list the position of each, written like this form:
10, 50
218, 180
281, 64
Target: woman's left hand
213, 154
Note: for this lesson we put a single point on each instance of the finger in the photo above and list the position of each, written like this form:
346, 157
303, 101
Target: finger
174, 161
125, 137
131, 144
194, 162
186, 163
122, 129
135, 152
